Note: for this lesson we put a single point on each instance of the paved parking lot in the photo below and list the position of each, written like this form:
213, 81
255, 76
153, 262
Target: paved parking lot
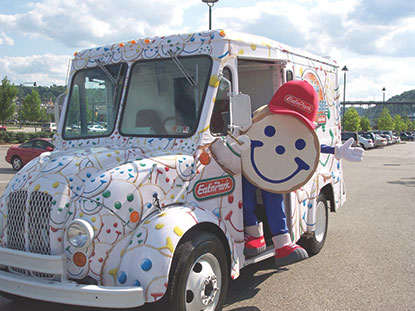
367, 262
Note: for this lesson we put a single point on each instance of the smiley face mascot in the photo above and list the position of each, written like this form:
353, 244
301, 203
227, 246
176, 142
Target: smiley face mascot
280, 155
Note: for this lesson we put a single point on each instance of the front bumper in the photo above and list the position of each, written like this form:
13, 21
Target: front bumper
63, 291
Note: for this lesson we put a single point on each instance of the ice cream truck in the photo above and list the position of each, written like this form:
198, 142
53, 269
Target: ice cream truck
141, 202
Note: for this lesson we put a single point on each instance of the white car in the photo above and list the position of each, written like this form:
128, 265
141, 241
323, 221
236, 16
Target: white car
366, 143
380, 141
96, 128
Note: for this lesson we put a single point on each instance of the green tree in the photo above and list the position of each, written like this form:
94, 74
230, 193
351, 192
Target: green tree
365, 124
8, 93
351, 120
400, 125
385, 121
409, 124
30, 110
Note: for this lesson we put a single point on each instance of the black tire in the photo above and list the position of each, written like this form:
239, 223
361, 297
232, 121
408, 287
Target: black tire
17, 163
202, 259
314, 243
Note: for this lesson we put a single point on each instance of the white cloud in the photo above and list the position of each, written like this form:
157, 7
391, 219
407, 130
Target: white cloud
45, 69
367, 76
5, 40
374, 38
81, 23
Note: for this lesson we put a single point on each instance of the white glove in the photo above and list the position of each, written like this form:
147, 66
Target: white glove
345, 151
244, 142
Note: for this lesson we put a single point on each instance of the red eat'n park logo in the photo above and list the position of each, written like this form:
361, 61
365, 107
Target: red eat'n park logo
213, 187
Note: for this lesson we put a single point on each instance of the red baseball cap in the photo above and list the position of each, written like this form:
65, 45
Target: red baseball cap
297, 98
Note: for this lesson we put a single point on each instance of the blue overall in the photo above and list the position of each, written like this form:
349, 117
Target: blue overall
273, 202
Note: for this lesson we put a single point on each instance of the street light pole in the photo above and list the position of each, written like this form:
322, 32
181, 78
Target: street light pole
210, 3
344, 69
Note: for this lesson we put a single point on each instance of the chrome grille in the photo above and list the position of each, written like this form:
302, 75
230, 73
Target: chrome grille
16, 220
38, 225
28, 224
35, 217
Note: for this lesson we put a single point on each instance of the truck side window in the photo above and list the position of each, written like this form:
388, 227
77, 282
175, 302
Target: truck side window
289, 76
220, 119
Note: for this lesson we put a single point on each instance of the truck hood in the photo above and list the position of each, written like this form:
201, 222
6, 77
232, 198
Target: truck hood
92, 182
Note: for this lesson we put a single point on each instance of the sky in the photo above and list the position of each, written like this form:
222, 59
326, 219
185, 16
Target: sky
373, 38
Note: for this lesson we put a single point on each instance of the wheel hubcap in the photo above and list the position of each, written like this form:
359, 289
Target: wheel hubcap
16, 163
320, 222
210, 287
203, 284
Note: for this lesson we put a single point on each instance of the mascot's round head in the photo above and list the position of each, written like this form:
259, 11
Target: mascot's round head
284, 149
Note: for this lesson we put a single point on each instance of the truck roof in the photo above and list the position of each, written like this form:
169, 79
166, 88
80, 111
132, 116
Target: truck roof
217, 43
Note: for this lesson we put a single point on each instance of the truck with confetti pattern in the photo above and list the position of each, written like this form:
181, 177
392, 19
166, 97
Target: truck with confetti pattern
139, 202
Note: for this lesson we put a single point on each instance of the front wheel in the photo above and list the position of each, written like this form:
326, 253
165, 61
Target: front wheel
314, 243
199, 274
17, 163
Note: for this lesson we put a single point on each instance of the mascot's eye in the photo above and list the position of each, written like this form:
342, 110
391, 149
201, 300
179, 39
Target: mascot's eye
269, 131
300, 144
280, 149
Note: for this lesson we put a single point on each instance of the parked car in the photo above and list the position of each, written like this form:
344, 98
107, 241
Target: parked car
48, 127
96, 128
3, 128
377, 140
366, 143
388, 138
406, 137
19, 155
354, 135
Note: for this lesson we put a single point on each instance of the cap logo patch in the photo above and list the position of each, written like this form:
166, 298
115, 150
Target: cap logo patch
298, 103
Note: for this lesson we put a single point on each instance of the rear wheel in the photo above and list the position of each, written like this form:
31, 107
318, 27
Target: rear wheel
17, 163
314, 243
199, 274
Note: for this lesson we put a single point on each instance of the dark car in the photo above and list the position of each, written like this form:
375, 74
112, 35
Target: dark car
406, 137
354, 135
19, 155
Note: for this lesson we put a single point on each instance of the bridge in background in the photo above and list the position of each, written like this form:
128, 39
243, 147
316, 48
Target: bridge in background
372, 109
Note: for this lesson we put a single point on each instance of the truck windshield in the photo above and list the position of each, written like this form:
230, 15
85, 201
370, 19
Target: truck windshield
165, 96
94, 100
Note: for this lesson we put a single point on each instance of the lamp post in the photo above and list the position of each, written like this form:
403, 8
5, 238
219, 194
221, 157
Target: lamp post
210, 3
344, 69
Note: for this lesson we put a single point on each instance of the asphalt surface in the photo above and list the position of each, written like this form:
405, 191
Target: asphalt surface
367, 262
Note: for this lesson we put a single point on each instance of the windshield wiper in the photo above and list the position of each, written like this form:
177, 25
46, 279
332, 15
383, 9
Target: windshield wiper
109, 75
183, 70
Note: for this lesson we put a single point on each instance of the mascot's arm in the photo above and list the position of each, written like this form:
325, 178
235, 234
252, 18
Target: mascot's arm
347, 152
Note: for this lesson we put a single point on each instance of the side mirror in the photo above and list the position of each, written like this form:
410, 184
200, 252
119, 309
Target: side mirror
240, 109
49, 149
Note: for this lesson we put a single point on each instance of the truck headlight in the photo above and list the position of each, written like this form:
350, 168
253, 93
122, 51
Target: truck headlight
80, 233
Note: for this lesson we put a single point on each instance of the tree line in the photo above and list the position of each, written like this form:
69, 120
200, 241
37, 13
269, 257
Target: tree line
30, 99
352, 121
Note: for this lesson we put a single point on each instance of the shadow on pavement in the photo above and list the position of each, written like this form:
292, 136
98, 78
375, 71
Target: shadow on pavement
4, 170
245, 286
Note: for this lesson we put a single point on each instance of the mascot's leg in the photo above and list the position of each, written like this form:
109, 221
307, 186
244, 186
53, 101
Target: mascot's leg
286, 252
254, 233
254, 240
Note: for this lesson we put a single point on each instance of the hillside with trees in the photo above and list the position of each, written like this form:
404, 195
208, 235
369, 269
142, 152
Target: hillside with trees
46, 93
408, 96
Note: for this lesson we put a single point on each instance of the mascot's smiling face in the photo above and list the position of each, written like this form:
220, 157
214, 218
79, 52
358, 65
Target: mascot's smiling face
283, 154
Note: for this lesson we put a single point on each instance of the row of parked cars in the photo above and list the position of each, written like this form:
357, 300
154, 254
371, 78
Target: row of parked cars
19, 155
374, 139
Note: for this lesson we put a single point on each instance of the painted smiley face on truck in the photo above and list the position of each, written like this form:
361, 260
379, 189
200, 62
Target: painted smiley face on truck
283, 154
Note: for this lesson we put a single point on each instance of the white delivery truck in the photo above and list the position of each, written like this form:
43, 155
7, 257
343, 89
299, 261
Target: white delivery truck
135, 206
